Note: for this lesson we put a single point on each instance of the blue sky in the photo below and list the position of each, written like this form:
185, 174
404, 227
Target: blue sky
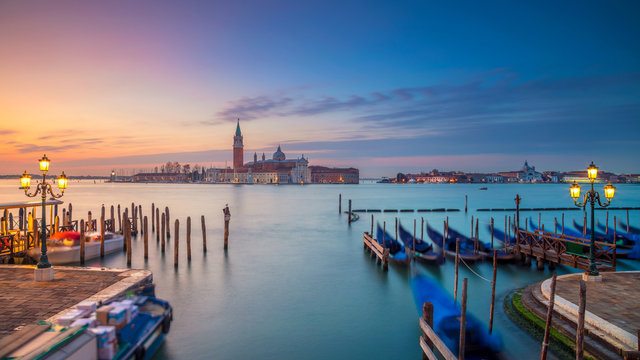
383, 86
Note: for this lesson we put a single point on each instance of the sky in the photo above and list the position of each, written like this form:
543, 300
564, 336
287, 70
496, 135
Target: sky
385, 86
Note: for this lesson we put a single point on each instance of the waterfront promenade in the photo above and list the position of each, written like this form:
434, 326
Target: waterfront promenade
26, 301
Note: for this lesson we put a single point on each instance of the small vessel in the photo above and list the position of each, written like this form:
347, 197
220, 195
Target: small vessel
484, 249
483, 188
632, 229
423, 252
479, 344
466, 253
396, 250
64, 247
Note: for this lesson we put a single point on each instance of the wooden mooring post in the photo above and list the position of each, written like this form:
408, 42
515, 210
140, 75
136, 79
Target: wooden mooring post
82, 242
102, 230
455, 287
176, 243
204, 235
141, 219
547, 328
349, 212
465, 203
493, 290
166, 210
163, 233
606, 225
188, 238
119, 219
492, 232
157, 225
627, 221
429, 339
146, 239
227, 217
153, 216
340, 204
463, 319
582, 304
127, 230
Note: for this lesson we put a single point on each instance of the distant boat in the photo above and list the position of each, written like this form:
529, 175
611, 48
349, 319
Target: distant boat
483, 188
479, 343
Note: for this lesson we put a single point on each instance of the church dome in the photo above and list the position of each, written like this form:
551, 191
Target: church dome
279, 155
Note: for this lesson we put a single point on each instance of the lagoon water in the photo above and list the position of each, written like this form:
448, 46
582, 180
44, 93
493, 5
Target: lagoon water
296, 282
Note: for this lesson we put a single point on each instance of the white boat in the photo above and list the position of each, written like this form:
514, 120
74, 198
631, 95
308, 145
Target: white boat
65, 250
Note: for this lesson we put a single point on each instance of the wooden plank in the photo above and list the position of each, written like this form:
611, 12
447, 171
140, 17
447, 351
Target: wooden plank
426, 351
442, 348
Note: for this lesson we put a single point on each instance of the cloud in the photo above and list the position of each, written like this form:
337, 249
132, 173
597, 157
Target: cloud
7, 131
252, 108
62, 144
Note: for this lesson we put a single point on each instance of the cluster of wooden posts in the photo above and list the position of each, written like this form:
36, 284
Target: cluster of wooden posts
134, 222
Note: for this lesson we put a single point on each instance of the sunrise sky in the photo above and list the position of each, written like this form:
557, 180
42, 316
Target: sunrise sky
382, 86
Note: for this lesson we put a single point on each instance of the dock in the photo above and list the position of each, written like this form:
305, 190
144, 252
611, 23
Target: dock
32, 301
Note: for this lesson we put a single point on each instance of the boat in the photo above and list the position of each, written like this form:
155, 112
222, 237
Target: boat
621, 242
423, 252
450, 246
397, 252
484, 250
479, 343
632, 229
619, 232
81, 333
64, 247
483, 188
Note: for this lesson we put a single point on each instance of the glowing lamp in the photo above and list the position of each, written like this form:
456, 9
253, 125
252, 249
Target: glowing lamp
44, 163
592, 171
575, 191
25, 181
62, 181
609, 191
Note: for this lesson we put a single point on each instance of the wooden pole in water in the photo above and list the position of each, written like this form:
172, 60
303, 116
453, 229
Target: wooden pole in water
176, 242
422, 228
427, 316
371, 233
153, 216
349, 212
509, 229
166, 210
615, 228
506, 231
119, 219
547, 328
128, 232
396, 229
82, 242
463, 320
472, 231
88, 224
455, 286
493, 290
204, 235
445, 233
414, 236
606, 229
384, 233
627, 221
141, 219
477, 237
539, 220
492, 232
134, 219
584, 225
465, 203
113, 220
582, 304
102, 229
189, 238
146, 238
157, 225
340, 204
163, 232
71, 213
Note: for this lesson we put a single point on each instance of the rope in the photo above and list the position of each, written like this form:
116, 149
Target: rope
470, 269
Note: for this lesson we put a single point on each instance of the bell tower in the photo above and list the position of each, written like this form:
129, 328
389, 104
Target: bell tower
238, 151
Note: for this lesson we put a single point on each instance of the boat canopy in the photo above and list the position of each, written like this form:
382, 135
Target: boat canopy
29, 204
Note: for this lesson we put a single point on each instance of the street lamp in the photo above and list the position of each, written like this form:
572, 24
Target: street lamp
43, 187
591, 197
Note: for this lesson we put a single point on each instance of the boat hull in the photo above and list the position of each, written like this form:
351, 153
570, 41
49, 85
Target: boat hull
59, 255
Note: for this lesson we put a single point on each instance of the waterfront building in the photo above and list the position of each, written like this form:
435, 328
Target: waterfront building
325, 175
161, 177
238, 148
529, 174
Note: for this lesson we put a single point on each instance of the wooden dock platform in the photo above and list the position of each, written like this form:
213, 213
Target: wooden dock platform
381, 253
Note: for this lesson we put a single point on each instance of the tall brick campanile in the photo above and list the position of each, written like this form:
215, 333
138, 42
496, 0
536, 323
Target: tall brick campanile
238, 151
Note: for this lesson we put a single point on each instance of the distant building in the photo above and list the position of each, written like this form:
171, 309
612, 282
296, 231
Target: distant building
160, 177
529, 174
325, 175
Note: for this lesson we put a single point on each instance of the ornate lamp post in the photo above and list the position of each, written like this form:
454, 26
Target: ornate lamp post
591, 197
43, 187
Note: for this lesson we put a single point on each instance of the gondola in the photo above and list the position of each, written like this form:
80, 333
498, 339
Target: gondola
424, 252
621, 241
620, 232
632, 229
450, 246
479, 343
396, 249
484, 249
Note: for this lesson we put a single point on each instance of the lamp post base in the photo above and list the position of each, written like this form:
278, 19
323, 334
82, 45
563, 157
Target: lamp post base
590, 278
43, 274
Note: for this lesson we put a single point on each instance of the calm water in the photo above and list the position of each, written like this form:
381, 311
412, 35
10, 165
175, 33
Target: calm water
296, 282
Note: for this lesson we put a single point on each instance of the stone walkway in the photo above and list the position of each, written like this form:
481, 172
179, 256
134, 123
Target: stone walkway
616, 298
25, 301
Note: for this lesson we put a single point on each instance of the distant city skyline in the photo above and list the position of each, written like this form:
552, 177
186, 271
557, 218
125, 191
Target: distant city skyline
384, 87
